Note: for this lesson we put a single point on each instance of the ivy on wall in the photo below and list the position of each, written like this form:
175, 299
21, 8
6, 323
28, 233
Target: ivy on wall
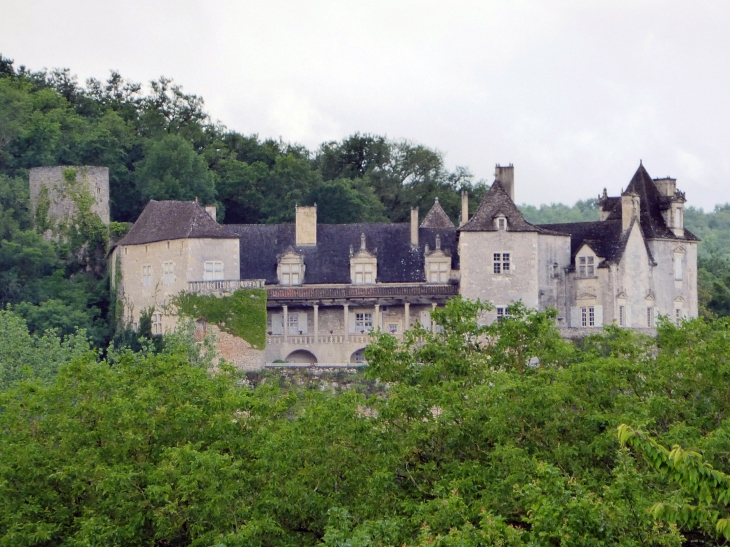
242, 314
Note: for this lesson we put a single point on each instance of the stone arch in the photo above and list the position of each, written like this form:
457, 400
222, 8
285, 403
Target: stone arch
357, 357
301, 356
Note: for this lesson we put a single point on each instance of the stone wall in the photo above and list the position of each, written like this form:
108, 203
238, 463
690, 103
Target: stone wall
233, 349
95, 180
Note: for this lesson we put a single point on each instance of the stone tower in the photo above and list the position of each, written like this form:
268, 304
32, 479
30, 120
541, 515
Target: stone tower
52, 191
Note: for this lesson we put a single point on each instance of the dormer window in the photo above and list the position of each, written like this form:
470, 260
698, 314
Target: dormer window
501, 223
291, 269
363, 265
438, 264
586, 266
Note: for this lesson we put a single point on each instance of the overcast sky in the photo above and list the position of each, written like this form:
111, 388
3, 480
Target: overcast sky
574, 93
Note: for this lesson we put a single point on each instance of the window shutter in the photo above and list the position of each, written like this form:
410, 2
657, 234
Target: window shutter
575, 320
303, 322
277, 323
426, 319
352, 323
598, 314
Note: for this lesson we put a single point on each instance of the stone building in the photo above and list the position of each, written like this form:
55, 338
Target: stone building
328, 286
50, 189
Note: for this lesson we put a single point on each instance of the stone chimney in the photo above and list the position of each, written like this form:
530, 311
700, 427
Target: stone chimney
464, 207
506, 177
210, 209
666, 186
414, 227
306, 228
630, 206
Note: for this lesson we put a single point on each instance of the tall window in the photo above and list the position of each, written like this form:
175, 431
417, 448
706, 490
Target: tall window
168, 273
293, 323
501, 263
588, 316
156, 323
291, 274
363, 322
678, 317
501, 223
678, 266
438, 272
650, 317
213, 271
147, 276
363, 274
622, 316
585, 266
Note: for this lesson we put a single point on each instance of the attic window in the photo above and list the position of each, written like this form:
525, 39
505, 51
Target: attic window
363, 274
501, 223
291, 269
586, 266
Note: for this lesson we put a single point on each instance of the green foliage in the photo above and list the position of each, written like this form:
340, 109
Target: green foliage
583, 211
242, 314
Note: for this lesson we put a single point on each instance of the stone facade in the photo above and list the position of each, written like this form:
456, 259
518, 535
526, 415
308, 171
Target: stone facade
50, 183
329, 286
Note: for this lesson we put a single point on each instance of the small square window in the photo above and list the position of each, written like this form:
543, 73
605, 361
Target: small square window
363, 322
213, 271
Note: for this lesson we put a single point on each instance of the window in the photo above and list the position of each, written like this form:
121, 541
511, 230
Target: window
650, 317
678, 317
291, 274
147, 276
622, 316
363, 322
501, 263
502, 313
678, 266
588, 316
156, 323
363, 274
438, 272
213, 271
392, 328
501, 223
585, 266
293, 323
168, 273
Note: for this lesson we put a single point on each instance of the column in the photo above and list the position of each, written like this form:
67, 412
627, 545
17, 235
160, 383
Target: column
286, 322
346, 323
376, 317
407, 325
433, 323
316, 323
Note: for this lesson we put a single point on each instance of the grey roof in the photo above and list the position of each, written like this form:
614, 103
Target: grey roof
437, 218
651, 204
329, 260
496, 202
165, 220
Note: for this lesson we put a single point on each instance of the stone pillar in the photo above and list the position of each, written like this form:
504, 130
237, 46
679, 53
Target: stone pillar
407, 321
376, 318
286, 322
433, 323
316, 323
346, 308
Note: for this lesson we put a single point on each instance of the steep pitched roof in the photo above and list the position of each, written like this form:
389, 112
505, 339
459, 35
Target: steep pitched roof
496, 202
329, 260
437, 218
164, 220
651, 203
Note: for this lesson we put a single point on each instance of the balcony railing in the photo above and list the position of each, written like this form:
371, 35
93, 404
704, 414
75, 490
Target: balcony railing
361, 291
227, 285
308, 340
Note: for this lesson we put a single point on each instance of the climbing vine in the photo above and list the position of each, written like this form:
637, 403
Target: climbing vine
242, 314
42, 209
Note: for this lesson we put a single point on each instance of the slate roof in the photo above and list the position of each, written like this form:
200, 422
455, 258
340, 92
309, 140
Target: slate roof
329, 260
496, 202
165, 220
606, 238
437, 218
651, 205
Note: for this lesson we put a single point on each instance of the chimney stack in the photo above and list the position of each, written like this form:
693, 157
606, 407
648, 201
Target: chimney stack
506, 177
414, 227
630, 206
210, 209
666, 186
306, 226
464, 207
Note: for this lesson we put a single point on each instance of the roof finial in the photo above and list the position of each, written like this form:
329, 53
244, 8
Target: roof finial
438, 242
437, 200
640, 162
362, 242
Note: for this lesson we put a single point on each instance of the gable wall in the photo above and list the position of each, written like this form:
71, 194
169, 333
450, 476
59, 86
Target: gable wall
551, 280
635, 277
478, 280
667, 289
